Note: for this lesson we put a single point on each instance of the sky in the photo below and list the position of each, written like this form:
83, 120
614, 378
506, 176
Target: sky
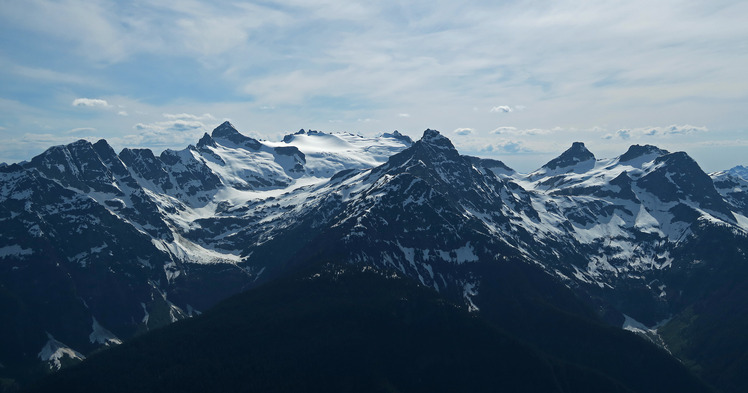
514, 80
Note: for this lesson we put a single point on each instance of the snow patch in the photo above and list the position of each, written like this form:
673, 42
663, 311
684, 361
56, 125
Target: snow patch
635, 326
466, 253
646, 223
469, 291
102, 336
14, 251
54, 351
188, 251
191, 311
146, 316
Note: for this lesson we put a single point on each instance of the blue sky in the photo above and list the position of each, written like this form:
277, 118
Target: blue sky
514, 80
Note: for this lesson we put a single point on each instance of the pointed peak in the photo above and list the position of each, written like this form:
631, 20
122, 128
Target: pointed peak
104, 149
206, 140
636, 151
433, 143
575, 154
431, 134
102, 142
433, 138
224, 130
227, 135
102, 145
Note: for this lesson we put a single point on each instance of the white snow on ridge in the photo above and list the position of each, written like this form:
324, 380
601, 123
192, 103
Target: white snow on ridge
742, 220
240, 166
614, 228
646, 223
102, 336
327, 154
188, 251
469, 290
53, 352
635, 326
241, 170
146, 316
241, 197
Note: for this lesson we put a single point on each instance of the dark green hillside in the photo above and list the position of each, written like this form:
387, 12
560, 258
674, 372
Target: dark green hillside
529, 305
356, 332
339, 331
709, 334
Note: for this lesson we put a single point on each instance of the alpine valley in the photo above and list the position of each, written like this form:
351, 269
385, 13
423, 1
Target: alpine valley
624, 274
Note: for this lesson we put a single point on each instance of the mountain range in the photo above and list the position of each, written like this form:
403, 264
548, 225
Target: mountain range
98, 247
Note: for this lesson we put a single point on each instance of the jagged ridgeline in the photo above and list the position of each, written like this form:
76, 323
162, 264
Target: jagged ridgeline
98, 247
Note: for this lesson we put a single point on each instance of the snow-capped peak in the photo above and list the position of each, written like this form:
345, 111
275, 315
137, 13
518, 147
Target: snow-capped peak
224, 130
574, 155
434, 139
642, 153
54, 351
227, 135
206, 140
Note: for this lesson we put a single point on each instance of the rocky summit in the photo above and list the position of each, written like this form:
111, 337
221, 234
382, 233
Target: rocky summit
98, 247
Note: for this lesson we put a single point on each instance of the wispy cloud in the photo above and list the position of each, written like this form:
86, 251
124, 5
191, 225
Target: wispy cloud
409, 65
464, 131
502, 109
187, 116
506, 147
91, 103
625, 134
178, 129
508, 130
